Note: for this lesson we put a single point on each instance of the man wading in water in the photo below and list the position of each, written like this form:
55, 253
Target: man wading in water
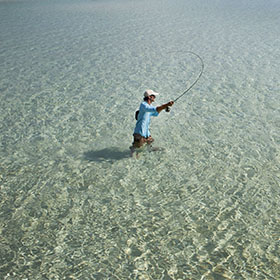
142, 134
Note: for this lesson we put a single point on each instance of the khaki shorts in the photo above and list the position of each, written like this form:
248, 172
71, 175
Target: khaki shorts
140, 140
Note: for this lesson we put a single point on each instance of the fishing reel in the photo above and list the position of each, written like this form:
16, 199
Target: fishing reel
167, 109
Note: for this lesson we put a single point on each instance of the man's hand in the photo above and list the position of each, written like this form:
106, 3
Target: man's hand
164, 106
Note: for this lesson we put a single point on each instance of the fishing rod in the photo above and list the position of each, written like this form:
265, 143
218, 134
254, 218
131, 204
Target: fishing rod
192, 85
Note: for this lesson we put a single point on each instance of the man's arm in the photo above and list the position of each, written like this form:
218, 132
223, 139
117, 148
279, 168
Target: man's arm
164, 106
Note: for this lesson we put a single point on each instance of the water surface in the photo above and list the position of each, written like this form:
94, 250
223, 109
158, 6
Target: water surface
74, 204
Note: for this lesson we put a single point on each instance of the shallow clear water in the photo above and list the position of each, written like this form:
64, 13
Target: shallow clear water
74, 205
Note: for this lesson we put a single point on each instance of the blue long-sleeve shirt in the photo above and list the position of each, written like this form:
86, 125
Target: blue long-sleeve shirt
146, 111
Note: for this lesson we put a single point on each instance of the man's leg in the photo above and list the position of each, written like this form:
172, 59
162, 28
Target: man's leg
138, 142
149, 140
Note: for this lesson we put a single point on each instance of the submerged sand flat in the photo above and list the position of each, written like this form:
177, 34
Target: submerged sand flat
75, 205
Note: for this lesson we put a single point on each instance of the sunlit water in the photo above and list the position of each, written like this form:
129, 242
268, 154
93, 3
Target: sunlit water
75, 205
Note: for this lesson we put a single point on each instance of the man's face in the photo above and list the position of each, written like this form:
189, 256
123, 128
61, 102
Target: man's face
152, 98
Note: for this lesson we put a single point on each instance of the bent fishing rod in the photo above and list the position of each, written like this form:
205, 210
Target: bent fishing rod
192, 85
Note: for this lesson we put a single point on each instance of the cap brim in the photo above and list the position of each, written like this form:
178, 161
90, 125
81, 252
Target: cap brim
155, 93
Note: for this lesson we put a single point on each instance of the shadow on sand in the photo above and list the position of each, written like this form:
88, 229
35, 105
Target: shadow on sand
108, 154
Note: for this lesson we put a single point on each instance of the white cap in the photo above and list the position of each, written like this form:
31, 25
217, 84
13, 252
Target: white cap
150, 92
